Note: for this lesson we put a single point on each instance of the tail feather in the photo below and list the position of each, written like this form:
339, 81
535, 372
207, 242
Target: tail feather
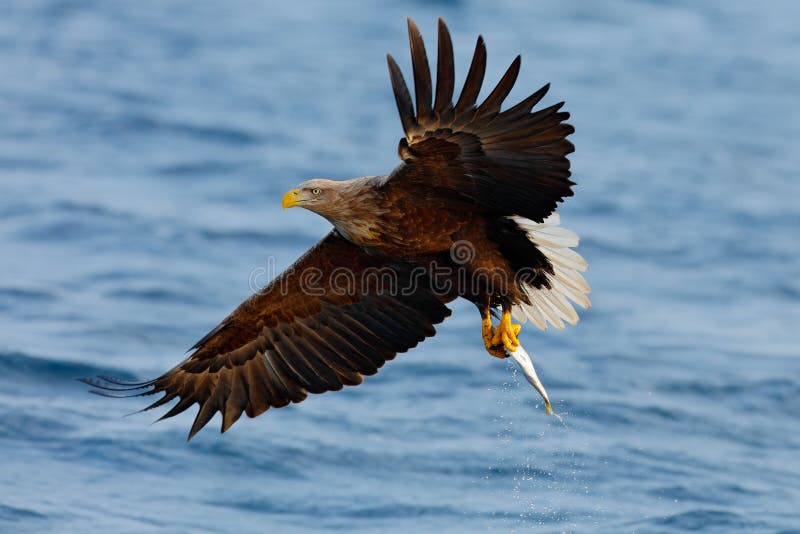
554, 304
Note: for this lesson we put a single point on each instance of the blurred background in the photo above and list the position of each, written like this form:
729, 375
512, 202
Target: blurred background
144, 148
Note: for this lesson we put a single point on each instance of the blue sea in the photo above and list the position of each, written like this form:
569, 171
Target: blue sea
144, 149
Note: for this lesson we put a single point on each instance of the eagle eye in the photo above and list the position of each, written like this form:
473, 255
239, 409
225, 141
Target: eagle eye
316, 191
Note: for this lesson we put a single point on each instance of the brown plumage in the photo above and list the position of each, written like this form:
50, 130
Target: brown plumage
471, 175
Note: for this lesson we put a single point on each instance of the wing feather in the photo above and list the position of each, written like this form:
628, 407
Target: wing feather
286, 342
511, 162
445, 73
474, 81
237, 398
491, 106
402, 97
207, 410
258, 388
422, 72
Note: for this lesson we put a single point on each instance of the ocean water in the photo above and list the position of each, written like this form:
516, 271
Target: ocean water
144, 148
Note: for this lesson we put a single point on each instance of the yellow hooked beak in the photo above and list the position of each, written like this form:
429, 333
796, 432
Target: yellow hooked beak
290, 198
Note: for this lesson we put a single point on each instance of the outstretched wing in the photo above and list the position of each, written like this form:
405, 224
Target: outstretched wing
336, 315
510, 162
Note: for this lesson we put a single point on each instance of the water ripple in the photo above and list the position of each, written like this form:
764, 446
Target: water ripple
143, 149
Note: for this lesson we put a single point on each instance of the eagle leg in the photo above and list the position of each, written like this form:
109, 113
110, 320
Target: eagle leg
506, 332
501, 338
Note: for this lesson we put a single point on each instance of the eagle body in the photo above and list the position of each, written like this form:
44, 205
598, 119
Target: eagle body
469, 212
385, 217
389, 223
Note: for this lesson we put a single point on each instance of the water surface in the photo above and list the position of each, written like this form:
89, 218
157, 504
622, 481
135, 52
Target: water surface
144, 148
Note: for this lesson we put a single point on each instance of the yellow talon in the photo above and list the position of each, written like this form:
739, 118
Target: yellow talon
507, 332
488, 333
502, 338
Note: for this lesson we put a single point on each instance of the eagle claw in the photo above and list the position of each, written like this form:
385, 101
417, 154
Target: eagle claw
501, 338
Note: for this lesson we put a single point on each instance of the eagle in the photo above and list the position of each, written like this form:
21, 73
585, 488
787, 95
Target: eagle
470, 212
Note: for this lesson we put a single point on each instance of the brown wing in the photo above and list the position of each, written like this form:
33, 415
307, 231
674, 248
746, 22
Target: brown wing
336, 315
503, 162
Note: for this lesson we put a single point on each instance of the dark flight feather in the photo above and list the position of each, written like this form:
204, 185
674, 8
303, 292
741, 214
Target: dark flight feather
422, 72
402, 97
474, 81
445, 76
511, 162
304, 344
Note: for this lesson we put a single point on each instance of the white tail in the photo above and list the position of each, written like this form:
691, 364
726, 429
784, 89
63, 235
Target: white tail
552, 305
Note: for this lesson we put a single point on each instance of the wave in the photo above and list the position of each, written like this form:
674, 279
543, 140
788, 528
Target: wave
14, 513
20, 368
26, 294
200, 132
702, 519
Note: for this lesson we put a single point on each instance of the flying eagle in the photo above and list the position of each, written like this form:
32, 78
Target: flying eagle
470, 212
